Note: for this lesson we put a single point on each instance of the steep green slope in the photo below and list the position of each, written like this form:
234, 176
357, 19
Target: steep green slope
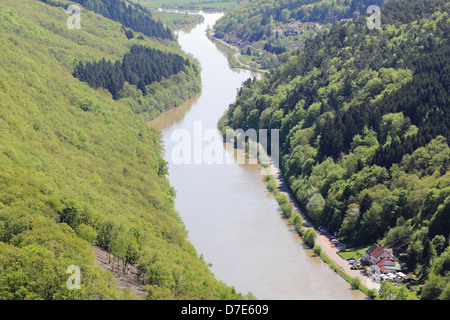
131, 15
364, 131
79, 168
148, 100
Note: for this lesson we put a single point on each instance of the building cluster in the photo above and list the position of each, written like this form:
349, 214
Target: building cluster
293, 29
382, 263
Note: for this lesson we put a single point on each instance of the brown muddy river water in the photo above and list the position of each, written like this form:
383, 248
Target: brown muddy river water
231, 217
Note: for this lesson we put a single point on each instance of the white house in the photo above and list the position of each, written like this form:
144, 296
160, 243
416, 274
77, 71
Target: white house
386, 266
377, 253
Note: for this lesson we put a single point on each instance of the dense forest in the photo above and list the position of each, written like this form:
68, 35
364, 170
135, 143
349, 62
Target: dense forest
269, 31
131, 15
78, 169
364, 132
141, 67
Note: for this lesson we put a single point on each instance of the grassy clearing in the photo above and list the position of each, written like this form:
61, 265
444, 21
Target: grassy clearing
353, 252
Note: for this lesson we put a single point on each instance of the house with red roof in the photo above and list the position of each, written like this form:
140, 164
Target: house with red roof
381, 260
387, 265
376, 253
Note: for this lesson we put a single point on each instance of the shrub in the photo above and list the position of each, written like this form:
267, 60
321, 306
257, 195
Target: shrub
309, 237
297, 221
355, 282
317, 249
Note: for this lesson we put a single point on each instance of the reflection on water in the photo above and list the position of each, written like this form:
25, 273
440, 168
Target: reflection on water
173, 116
231, 217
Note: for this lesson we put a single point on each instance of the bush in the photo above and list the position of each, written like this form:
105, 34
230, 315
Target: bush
87, 233
372, 293
309, 237
287, 209
297, 221
317, 250
355, 282
271, 186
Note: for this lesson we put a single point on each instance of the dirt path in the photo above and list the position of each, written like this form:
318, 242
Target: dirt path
327, 247
124, 280
236, 55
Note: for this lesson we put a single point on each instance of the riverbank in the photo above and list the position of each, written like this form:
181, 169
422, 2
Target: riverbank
234, 54
328, 250
234, 224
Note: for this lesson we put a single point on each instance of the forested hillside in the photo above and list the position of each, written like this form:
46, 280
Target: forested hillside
364, 120
78, 168
140, 67
131, 15
252, 20
269, 31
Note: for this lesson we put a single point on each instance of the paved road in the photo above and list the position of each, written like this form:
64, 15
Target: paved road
327, 247
237, 54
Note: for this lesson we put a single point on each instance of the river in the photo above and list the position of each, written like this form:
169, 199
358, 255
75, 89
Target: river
231, 217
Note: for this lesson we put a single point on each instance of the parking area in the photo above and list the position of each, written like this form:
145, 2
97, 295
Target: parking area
332, 239
351, 266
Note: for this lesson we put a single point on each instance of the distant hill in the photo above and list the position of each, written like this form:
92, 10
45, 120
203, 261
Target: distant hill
131, 15
252, 20
190, 4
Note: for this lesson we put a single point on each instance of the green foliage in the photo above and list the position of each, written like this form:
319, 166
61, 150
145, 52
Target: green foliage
254, 20
297, 221
309, 237
140, 67
131, 15
317, 249
372, 293
87, 233
389, 291
79, 168
355, 282
177, 20
365, 127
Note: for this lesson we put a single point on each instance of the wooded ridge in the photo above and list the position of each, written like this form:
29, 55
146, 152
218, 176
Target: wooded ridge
363, 117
